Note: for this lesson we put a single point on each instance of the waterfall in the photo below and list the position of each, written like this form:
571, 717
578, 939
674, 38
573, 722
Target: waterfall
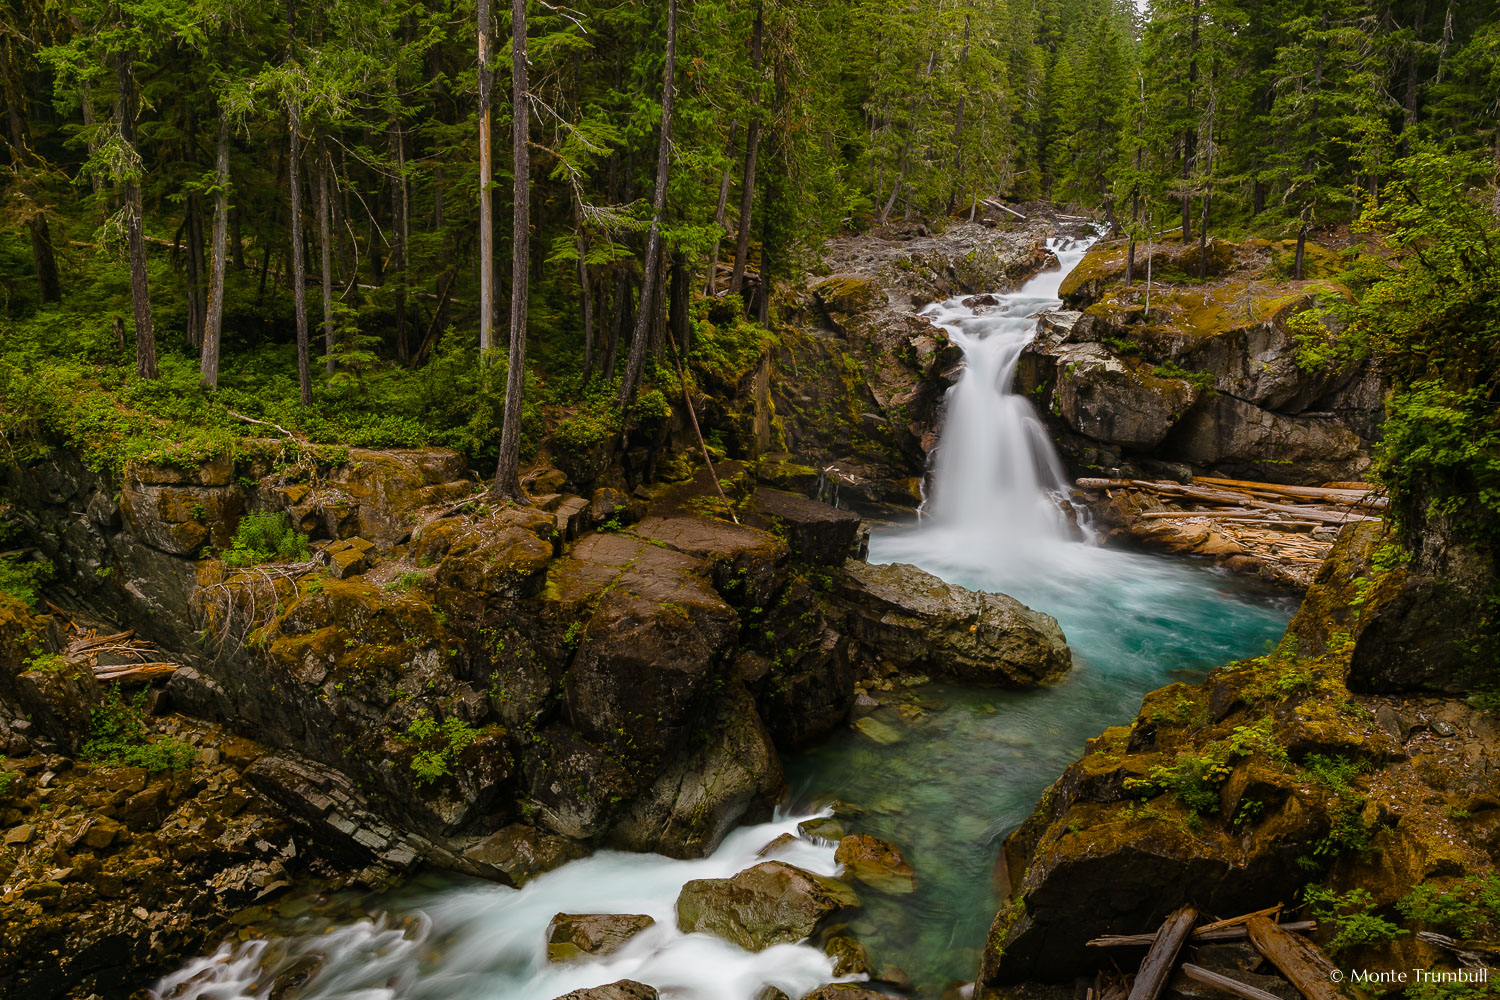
997, 474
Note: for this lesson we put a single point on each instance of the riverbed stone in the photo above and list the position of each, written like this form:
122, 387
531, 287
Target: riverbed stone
912, 620
624, 989
845, 991
573, 936
771, 903
876, 863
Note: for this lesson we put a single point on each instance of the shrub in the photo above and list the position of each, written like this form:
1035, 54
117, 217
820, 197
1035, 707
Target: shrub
264, 537
1352, 915
439, 745
1464, 907
118, 737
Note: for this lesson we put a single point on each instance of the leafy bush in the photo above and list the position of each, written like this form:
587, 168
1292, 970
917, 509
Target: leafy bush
1352, 915
1465, 907
6, 777
263, 537
118, 737
19, 578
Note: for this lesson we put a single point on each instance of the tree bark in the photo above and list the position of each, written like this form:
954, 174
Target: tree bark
958, 126
586, 295
299, 264
752, 148
1157, 966
652, 274
48, 284
507, 470
193, 258
326, 264
213, 325
719, 213
400, 233
486, 208
140, 290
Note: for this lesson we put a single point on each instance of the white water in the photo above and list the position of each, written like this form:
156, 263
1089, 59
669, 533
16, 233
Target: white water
1000, 519
487, 942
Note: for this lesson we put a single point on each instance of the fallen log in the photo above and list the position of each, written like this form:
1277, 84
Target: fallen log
1302, 964
1243, 918
1200, 936
1198, 974
1307, 492
1226, 498
992, 203
136, 671
1157, 966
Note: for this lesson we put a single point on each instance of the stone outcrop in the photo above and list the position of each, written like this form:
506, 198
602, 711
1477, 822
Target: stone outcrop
624, 989
773, 902
917, 623
1208, 380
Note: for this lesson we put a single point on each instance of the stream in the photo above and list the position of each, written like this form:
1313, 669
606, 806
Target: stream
954, 771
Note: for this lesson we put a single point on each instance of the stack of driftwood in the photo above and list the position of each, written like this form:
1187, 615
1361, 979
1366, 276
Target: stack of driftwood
1287, 528
117, 658
1298, 960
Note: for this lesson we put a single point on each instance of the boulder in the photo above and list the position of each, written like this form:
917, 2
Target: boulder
876, 863
916, 622
625, 989
519, 853
346, 557
744, 562
846, 991
1106, 399
703, 794
772, 903
572, 936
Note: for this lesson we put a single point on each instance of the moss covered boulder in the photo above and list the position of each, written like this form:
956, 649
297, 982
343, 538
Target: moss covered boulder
572, 936
772, 903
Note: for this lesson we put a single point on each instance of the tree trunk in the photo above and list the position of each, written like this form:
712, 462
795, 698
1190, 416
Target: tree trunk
652, 274
586, 295
958, 125
140, 290
486, 209
236, 240
1190, 137
299, 264
507, 470
677, 298
400, 234
1298, 259
48, 284
213, 325
719, 214
752, 147
325, 248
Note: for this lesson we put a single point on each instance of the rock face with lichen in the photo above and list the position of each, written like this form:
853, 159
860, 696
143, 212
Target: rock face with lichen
1207, 380
1235, 794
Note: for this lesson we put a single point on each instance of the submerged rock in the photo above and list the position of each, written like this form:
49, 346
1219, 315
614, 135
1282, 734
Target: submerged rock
876, 863
917, 623
572, 936
845, 991
772, 903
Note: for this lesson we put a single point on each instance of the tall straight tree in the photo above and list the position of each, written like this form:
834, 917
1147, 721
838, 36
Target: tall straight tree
135, 233
214, 323
486, 208
299, 250
652, 275
752, 149
507, 470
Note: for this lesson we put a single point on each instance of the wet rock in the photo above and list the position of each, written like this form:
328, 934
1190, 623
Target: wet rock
770, 993
1104, 398
773, 902
845, 991
824, 828
849, 956
878, 731
817, 532
781, 842
624, 989
876, 863
519, 853
732, 778
572, 936
918, 623
1242, 439
743, 562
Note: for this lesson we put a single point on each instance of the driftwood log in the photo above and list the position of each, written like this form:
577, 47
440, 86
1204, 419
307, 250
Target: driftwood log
1202, 935
1198, 974
1157, 966
1303, 965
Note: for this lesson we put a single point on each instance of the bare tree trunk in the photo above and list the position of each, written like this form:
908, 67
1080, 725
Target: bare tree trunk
652, 274
752, 147
958, 127
486, 209
586, 293
677, 302
193, 258
140, 290
400, 234
326, 264
724, 181
236, 241
299, 265
507, 470
213, 325
48, 284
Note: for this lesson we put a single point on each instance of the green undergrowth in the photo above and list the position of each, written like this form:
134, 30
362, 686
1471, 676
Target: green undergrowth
437, 744
264, 537
118, 737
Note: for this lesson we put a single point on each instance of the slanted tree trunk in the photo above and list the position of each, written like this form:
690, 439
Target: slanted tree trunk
752, 148
486, 208
130, 193
213, 324
507, 470
719, 213
325, 248
299, 264
652, 276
